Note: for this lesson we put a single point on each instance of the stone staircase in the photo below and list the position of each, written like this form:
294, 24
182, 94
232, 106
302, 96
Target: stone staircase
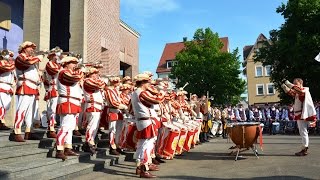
34, 159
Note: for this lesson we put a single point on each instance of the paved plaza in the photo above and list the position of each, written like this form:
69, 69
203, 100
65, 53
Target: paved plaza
211, 161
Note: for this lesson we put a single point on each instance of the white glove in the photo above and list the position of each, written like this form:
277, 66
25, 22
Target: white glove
289, 84
123, 107
167, 116
285, 88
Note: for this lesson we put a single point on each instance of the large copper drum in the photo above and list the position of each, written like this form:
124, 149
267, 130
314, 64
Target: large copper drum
244, 134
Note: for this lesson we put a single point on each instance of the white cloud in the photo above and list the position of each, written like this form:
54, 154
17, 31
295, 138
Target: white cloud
149, 8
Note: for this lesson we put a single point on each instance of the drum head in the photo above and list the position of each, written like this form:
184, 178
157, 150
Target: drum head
243, 124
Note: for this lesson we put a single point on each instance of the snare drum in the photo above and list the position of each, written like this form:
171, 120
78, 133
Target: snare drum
182, 138
215, 127
244, 134
189, 139
169, 142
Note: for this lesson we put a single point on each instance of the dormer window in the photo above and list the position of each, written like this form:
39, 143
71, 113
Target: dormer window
171, 63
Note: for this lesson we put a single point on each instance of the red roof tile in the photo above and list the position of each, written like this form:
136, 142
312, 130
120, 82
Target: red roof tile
171, 49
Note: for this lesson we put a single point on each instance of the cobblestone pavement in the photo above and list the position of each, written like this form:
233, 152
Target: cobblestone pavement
212, 161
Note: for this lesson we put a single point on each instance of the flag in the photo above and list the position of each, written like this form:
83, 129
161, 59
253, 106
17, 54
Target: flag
317, 58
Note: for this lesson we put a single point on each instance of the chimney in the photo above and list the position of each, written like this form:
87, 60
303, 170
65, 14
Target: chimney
185, 39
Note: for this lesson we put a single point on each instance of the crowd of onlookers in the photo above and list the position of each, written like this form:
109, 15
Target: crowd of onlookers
277, 119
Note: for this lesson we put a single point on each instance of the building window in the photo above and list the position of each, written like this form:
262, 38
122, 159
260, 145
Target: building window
5, 16
267, 70
260, 89
258, 71
171, 63
270, 89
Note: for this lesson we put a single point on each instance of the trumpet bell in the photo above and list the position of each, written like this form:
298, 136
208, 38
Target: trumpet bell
5, 52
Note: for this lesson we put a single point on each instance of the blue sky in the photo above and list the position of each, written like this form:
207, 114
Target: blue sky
163, 21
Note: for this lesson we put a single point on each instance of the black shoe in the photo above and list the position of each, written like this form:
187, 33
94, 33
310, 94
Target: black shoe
3, 127
198, 143
303, 152
160, 160
100, 132
120, 151
114, 152
88, 148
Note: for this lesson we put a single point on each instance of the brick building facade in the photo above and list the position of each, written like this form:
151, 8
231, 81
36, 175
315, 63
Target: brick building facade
92, 28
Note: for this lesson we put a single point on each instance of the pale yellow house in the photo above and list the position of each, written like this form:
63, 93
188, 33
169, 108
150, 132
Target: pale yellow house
260, 89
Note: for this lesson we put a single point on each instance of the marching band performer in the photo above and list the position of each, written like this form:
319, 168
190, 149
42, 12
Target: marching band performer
7, 79
27, 90
205, 127
115, 115
69, 105
94, 104
224, 117
125, 97
231, 112
142, 100
125, 94
217, 118
257, 114
51, 71
274, 113
241, 115
156, 111
304, 111
318, 110
126, 80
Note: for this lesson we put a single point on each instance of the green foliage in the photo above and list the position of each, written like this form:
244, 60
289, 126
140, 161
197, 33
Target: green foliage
206, 68
292, 48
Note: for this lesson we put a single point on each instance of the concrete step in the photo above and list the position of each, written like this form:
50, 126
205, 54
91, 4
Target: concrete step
103, 143
27, 168
6, 156
50, 142
10, 145
36, 154
70, 171
77, 143
64, 172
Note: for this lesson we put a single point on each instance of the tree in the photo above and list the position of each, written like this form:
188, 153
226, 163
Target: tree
292, 48
207, 68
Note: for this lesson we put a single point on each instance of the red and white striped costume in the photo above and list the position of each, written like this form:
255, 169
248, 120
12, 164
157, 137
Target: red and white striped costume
304, 111
94, 104
28, 80
6, 81
51, 70
125, 98
115, 115
69, 105
128, 127
141, 102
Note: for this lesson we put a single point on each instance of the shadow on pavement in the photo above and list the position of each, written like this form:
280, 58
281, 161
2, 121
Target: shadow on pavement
3, 175
223, 156
206, 156
260, 178
131, 174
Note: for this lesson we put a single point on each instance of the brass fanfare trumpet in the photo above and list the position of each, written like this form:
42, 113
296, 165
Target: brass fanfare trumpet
4, 54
